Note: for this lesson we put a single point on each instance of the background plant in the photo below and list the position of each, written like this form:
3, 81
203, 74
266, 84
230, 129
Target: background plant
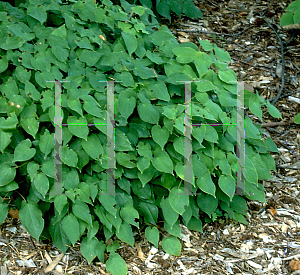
85, 42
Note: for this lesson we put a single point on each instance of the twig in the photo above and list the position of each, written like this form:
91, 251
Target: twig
272, 124
206, 32
287, 167
253, 65
282, 62
288, 94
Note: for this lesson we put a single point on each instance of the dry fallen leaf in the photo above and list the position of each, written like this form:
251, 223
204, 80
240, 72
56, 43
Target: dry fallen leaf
294, 265
272, 211
14, 213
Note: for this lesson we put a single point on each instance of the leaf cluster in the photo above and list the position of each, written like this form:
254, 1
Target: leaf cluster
88, 44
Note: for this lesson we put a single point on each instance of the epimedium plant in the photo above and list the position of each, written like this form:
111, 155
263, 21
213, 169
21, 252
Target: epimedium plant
164, 8
85, 42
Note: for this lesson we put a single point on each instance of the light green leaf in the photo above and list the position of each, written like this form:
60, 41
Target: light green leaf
37, 12
227, 76
78, 127
93, 146
170, 215
69, 157
171, 245
221, 54
125, 233
152, 235
126, 104
3, 211
41, 184
130, 42
273, 111
163, 163
5, 139
70, 225
185, 54
206, 184
46, 143
160, 135
30, 125
31, 218
160, 90
128, 213
297, 119
88, 248
178, 199
148, 113
116, 265
227, 185
143, 163
82, 211
23, 151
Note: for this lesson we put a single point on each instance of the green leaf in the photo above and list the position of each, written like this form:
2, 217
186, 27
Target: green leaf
88, 248
69, 157
90, 57
126, 104
287, 19
74, 104
82, 211
93, 146
3, 64
70, 225
10, 123
254, 106
227, 185
207, 203
78, 127
221, 54
125, 233
227, 76
160, 90
206, 45
148, 113
125, 160
170, 215
60, 202
152, 235
60, 53
128, 213
30, 125
41, 184
160, 135
31, 218
171, 245
270, 145
46, 143
5, 139
22, 74
273, 111
116, 265
206, 184
149, 212
178, 199
143, 163
122, 143
296, 16
23, 151
37, 12
185, 54
130, 41
162, 162
3, 211
297, 119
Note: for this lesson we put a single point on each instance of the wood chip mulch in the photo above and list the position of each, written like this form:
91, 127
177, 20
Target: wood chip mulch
270, 243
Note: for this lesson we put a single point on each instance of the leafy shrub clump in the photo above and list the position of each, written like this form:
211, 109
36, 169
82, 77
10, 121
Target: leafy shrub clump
88, 44
292, 14
164, 8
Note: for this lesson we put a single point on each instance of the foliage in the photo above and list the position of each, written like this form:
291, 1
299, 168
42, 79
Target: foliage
84, 43
164, 8
292, 14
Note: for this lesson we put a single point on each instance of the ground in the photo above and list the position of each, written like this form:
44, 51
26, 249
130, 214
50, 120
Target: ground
270, 243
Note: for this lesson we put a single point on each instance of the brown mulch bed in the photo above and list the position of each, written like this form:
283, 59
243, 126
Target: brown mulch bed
270, 243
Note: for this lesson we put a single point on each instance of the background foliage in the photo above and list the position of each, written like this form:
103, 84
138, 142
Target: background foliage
84, 42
